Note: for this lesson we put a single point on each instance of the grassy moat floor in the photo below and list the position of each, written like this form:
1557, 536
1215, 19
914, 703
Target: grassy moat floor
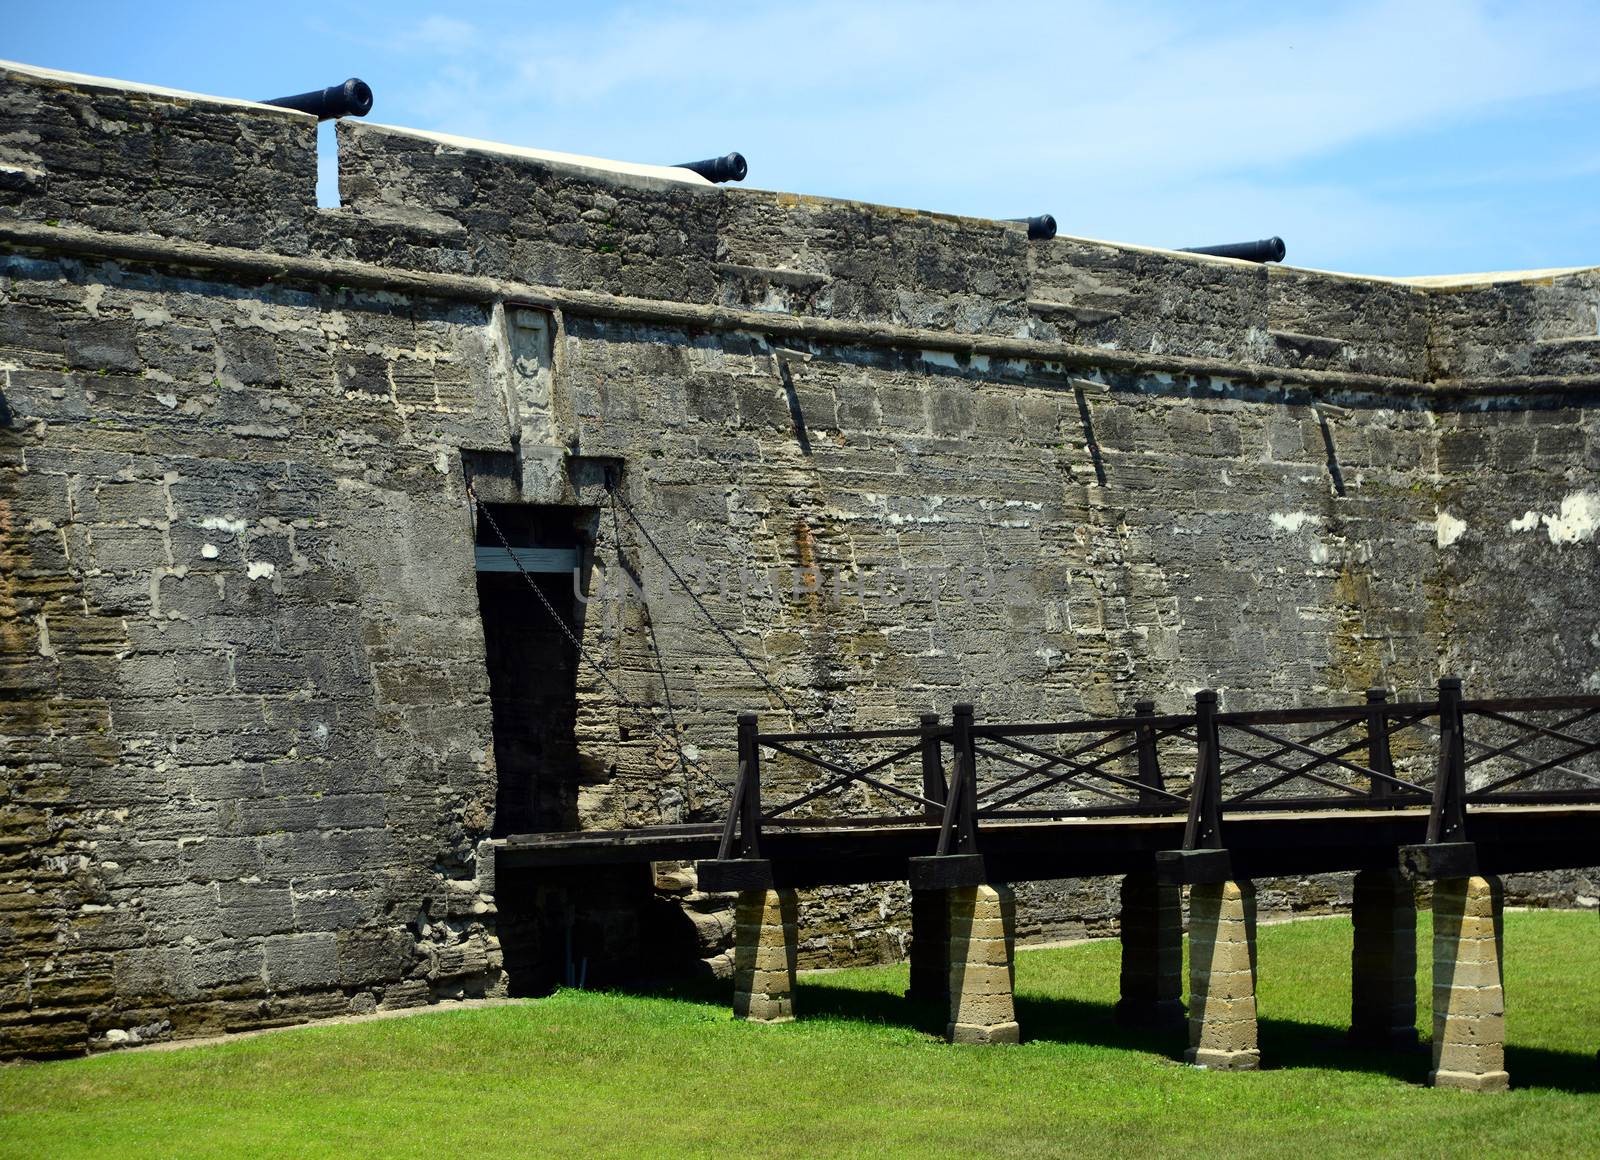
863, 1073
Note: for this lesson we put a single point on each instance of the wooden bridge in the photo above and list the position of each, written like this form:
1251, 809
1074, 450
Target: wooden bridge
1450, 790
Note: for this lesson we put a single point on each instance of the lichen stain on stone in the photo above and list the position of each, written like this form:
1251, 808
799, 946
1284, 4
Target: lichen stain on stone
1357, 658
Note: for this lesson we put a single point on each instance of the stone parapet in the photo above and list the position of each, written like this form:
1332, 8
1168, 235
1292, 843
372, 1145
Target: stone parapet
242, 173
136, 159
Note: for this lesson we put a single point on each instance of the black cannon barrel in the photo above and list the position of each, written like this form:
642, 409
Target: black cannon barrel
1266, 250
718, 169
1040, 229
351, 99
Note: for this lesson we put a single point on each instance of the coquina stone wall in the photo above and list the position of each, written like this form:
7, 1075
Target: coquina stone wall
909, 459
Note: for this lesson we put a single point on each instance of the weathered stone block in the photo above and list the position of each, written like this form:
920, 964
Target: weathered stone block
1224, 1059
1468, 1018
977, 950
985, 1033
765, 938
1222, 1015
1488, 1079
763, 1007
981, 977
300, 961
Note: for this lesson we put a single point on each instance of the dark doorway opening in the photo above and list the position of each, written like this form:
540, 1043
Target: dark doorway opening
594, 926
556, 929
532, 663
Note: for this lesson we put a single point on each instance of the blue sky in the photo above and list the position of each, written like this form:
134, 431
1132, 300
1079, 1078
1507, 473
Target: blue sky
1383, 138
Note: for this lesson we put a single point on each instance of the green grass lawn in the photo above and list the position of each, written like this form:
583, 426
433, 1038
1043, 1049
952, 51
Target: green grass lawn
621, 1075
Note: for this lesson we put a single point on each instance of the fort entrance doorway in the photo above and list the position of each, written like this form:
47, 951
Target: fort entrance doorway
581, 927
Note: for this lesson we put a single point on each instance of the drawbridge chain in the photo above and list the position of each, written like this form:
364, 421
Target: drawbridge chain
760, 675
700, 604
583, 653
672, 737
655, 643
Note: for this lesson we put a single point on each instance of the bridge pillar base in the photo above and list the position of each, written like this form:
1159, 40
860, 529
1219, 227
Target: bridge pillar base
1383, 962
982, 976
766, 929
1468, 994
930, 946
1222, 976
1152, 952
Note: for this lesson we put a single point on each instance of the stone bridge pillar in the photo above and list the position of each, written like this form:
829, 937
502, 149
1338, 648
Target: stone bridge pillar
1222, 976
982, 945
1469, 1013
1152, 952
1383, 962
766, 925
930, 946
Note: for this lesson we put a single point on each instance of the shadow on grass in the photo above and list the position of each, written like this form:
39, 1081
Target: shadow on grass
1285, 1043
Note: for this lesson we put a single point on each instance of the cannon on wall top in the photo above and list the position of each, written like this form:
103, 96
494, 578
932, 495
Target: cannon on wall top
351, 99
1266, 250
718, 169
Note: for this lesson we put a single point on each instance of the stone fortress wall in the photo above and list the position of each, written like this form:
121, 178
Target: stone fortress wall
245, 721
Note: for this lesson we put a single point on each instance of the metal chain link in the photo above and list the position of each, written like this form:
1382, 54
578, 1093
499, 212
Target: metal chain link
583, 653
655, 641
704, 611
671, 738
830, 748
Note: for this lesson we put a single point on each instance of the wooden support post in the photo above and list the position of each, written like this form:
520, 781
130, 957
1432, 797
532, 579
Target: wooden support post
750, 790
1468, 992
1222, 976
766, 925
982, 975
959, 832
1204, 829
1150, 782
1383, 963
1379, 758
930, 908
1152, 952
1447, 820
933, 783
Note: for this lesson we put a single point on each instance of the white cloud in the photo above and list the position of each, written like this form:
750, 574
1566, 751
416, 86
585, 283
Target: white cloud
1158, 123
438, 34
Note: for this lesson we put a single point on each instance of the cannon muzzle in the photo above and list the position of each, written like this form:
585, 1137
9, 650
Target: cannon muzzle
351, 99
718, 169
1266, 250
1040, 229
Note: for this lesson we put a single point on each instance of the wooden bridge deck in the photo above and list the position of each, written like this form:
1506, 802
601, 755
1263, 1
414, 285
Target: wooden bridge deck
1509, 839
1451, 790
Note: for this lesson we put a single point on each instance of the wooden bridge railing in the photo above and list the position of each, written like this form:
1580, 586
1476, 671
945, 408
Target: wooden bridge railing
1446, 753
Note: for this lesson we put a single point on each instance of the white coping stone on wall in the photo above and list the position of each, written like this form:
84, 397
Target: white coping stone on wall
84, 80
671, 173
